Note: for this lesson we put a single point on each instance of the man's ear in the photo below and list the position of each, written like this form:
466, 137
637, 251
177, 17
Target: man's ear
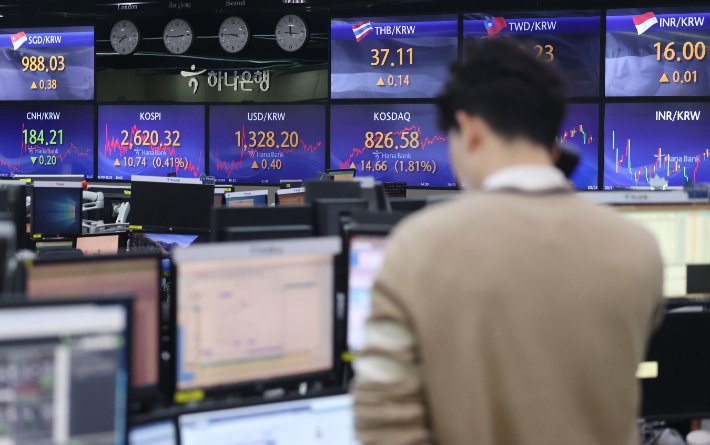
471, 130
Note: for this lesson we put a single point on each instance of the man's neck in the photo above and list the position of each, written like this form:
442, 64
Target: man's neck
518, 153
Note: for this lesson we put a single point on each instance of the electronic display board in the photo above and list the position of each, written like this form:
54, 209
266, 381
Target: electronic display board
391, 57
569, 39
151, 140
656, 144
47, 63
658, 52
393, 143
46, 139
263, 144
580, 129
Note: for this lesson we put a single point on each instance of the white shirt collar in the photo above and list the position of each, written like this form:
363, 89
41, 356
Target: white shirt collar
530, 178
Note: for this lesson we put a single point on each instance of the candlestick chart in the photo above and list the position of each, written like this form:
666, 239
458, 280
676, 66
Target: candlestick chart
662, 144
580, 128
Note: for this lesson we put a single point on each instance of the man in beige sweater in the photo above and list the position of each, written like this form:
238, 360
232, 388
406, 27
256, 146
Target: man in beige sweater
518, 313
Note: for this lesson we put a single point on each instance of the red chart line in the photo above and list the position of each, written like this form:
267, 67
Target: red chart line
231, 166
13, 167
423, 142
114, 144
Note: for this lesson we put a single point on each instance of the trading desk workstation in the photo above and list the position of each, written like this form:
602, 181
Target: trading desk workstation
195, 200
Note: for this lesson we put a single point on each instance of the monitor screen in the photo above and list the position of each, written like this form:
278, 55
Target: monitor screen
568, 39
327, 419
171, 202
657, 51
56, 208
49, 139
675, 373
47, 63
156, 433
393, 143
165, 243
262, 144
64, 374
254, 310
367, 252
256, 198
656, 144
580, 129
151, 140
291, 197
682, 236
106, 277
391, 57
98, 245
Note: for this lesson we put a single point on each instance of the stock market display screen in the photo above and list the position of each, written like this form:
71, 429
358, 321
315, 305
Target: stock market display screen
580, 129
657, 52
47, 140
151, 140
569, 39
657, 144
393, 143
47, 63
263, 144
391, 57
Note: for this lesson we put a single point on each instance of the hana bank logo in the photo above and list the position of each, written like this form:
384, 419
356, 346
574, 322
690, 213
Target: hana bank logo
18, 39
362, 30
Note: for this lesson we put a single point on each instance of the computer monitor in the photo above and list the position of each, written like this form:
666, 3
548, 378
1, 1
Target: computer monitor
291, 197
165, 243
683, 235
106, 277
219, 195
674, 376
252, 198
331, 190
54, 245
64, 378
396, 189
254, 311
96, 245
180, 203
329, 214
328, 420
51, 178
56, 208
13, 202
256, 219
155, 433
366, 253
290, 183
342, 174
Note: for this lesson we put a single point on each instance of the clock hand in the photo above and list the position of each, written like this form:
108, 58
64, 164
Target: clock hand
181, 35
235, 35
122, 39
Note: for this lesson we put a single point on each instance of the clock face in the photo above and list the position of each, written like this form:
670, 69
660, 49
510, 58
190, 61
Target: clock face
291, 32
234, 35
125, 37
178, 36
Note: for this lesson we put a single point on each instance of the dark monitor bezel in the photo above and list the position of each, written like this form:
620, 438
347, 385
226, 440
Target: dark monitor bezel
151, 228
142, 395
260, 388
126, 302
350, 231
43, 235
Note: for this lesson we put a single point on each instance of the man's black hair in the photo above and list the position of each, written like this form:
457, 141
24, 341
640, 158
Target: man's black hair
512, 91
